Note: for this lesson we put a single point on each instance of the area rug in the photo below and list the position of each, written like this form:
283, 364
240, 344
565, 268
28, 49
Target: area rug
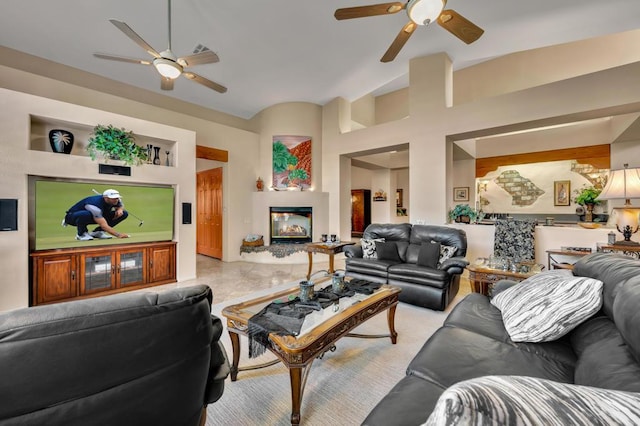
342, 387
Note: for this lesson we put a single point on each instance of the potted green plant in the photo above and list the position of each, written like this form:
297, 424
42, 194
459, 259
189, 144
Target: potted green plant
588, 197
463, 213
117, 144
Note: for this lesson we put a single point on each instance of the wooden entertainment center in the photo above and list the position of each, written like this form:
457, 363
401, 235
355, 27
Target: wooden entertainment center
67, 274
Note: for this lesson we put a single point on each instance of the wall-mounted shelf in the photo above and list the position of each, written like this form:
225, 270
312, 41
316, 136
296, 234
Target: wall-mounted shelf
39, 139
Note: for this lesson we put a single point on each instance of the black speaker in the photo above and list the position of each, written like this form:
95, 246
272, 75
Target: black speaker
8, 214
109, 169
186, 213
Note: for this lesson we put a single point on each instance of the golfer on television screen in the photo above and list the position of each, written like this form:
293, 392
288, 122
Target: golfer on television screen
106, 211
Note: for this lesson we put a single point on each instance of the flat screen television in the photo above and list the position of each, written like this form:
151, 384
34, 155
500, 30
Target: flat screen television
150, 212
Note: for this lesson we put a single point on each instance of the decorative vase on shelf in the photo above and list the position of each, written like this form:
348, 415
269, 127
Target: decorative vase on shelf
61, 141
149, 152
167, 162
588, 217
156, 155
259, 185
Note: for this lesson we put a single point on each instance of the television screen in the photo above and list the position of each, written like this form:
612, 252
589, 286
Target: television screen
150, 211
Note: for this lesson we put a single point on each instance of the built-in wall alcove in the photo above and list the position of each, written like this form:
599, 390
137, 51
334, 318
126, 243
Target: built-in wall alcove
378, 177
553, 156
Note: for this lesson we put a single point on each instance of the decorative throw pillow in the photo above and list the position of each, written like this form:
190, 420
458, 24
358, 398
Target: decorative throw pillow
429, 254
548, 305
387, 251
369, 247
516, 400
446, 252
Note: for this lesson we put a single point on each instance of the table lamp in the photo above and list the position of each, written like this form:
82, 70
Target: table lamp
624, 184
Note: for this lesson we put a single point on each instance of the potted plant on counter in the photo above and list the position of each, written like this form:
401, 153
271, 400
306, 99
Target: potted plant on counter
463, 213
588, 197
116, 144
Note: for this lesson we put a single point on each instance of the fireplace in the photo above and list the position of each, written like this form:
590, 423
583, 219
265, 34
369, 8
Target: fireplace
290, 225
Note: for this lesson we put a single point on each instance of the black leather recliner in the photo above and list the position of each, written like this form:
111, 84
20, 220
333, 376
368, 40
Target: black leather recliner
144, 358
432, 288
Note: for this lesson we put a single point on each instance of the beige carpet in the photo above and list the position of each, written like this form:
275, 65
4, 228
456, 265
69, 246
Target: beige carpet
342, 387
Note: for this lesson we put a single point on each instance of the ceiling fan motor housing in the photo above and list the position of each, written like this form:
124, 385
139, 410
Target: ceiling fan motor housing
424, 12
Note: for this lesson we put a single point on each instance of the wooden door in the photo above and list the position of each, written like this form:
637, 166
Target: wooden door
209, 213
360, 211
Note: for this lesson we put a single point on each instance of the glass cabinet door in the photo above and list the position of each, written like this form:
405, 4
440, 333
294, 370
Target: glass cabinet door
98, 273
131, 268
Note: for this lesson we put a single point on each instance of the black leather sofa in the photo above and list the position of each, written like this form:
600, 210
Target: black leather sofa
429, 287
603, 352
144, 358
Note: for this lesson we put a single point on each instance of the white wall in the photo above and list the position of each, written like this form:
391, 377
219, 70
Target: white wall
19, 162
361, 178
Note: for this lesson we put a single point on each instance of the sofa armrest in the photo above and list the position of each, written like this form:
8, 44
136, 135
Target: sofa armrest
353, 250
219, 367
454, 265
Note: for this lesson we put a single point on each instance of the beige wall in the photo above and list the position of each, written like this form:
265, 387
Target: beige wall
434, 121
20, 162
424, 116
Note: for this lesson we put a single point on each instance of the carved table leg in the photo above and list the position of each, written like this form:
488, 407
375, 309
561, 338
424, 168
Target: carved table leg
295, 374
235, 344
310, 265
391, 317
331, 256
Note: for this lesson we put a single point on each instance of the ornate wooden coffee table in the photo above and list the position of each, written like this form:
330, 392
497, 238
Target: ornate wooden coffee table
298, 353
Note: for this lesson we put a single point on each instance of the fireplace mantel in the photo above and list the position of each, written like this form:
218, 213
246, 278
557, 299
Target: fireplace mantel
319, 201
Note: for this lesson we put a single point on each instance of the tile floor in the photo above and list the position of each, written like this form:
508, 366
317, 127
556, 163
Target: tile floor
230, 280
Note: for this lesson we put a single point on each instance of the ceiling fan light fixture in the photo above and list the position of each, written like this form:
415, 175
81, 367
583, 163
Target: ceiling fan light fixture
167, 68
424, 12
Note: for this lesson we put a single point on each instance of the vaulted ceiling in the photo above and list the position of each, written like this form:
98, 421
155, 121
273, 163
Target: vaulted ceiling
288, 50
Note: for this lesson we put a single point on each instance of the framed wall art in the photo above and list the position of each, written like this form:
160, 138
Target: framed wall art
561, 192
291, 162
461, 193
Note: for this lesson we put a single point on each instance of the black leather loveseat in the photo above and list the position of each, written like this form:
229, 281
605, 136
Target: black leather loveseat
576, 379
144, 358
433, 286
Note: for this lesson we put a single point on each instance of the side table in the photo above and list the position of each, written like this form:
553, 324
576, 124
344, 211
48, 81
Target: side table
630, 251
555, 261
482, 278
327, 248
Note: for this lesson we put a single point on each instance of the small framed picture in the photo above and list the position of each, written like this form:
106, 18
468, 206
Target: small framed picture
561, 193
461, 193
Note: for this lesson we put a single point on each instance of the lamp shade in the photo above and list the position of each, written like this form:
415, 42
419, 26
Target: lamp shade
423, 12
623, 184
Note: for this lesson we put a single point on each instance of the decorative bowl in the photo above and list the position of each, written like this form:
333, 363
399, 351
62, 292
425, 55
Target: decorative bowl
590, 225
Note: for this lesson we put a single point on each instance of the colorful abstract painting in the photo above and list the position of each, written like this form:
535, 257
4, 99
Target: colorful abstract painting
291, 161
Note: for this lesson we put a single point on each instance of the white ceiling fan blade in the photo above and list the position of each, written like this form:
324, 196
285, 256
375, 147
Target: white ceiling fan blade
166, 83
206, 57
135, 37
205, 82
122, 59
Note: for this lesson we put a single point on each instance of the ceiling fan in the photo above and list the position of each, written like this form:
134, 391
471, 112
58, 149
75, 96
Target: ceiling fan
166, 62
421, 12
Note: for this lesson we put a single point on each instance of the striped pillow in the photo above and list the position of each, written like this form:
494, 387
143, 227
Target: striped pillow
516, 400
548, 305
